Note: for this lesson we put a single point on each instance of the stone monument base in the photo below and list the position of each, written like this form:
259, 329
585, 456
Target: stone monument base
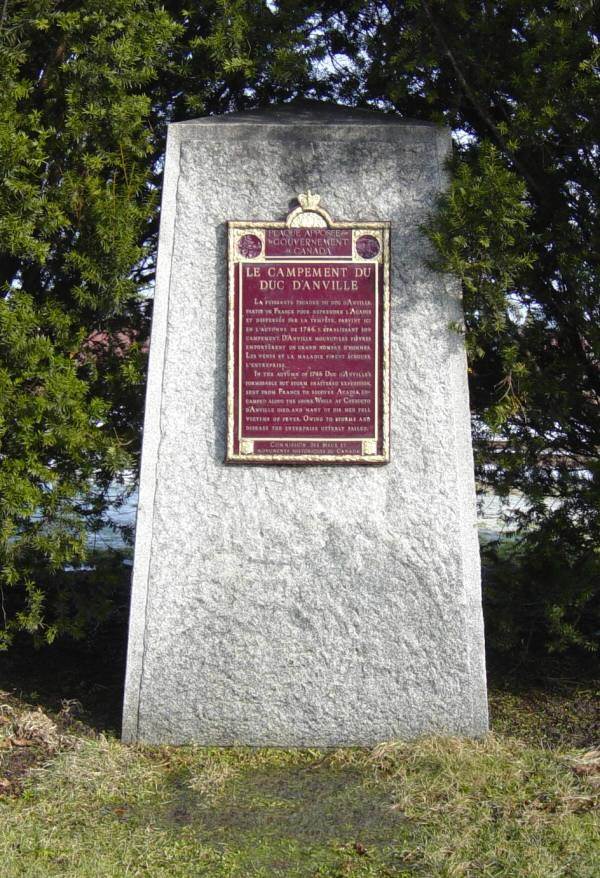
303, 605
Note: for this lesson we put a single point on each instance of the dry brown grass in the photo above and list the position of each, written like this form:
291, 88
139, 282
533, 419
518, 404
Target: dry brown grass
29, 737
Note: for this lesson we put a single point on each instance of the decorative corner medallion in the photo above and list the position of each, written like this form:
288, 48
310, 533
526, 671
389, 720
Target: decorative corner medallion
308, 339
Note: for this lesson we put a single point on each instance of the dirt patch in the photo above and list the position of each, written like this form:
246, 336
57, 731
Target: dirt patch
29, 737
567, 716
15, 765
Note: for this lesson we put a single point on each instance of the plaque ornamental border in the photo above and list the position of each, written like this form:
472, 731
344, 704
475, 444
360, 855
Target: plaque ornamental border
309, 214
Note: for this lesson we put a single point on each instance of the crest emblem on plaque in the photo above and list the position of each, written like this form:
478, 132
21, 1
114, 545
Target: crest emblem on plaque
308, 339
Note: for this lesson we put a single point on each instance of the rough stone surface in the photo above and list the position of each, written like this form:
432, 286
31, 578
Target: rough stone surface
313, 605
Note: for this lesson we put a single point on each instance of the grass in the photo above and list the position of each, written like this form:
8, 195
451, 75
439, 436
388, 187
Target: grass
79, 804
76, 803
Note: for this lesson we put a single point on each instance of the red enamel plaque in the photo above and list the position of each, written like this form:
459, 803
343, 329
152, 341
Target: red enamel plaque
308, 356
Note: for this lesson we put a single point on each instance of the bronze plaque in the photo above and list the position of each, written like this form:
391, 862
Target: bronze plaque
308, 340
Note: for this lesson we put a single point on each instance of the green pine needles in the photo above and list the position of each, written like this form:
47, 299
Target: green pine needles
76, 202
86, 91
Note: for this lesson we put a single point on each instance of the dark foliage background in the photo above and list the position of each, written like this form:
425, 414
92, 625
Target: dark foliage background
86, 92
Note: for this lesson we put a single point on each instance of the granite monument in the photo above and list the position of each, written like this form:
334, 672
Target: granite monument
306, 563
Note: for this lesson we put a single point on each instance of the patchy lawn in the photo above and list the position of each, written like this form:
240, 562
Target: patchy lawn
78, 804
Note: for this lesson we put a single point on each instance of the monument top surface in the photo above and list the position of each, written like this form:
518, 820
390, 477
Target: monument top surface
307, 112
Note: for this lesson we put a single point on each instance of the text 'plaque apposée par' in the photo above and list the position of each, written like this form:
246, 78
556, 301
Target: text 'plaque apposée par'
308, 340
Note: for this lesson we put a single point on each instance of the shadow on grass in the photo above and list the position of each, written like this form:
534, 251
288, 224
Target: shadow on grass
311, 804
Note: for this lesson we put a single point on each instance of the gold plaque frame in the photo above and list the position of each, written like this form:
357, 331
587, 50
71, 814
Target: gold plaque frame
309, 214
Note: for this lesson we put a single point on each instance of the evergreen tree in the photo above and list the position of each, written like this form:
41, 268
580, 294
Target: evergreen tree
76, 155
517, 81
237, 54
86, 92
